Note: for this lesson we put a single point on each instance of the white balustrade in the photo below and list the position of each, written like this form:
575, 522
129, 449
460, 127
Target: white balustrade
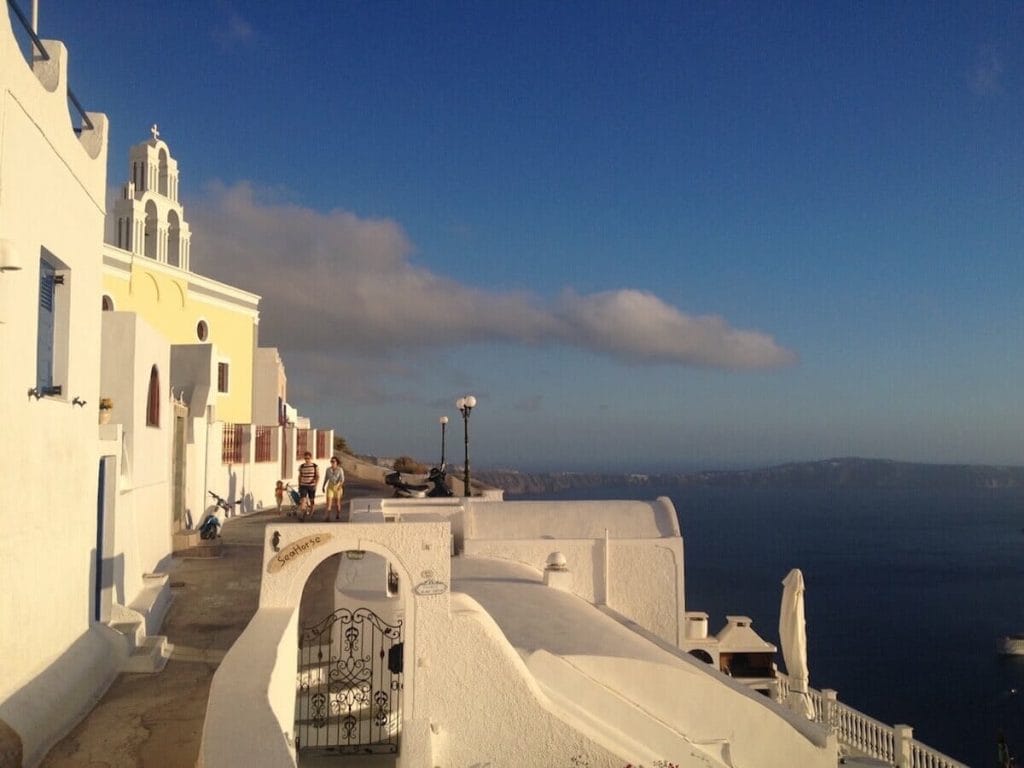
864, 735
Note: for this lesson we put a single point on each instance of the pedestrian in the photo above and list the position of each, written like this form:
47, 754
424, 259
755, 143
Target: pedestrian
279, 495
334, 488
309, 476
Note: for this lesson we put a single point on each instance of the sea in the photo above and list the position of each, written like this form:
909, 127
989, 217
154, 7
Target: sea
907, 593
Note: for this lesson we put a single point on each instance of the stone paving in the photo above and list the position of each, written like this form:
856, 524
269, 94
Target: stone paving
156, 721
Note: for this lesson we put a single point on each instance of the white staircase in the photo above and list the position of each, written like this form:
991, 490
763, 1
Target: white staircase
145, 653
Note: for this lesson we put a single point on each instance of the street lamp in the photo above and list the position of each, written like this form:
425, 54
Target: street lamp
444, 424
465, 405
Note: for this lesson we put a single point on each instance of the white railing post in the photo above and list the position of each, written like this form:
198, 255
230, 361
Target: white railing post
828, 707
904, 743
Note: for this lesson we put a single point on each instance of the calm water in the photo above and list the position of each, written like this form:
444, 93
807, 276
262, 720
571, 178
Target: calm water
907, 592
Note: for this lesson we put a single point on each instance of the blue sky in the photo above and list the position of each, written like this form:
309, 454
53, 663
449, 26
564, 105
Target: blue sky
644, 235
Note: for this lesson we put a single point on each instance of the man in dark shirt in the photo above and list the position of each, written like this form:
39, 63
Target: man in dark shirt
309, 476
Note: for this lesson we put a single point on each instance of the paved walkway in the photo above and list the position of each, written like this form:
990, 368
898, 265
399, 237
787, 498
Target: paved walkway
156, 721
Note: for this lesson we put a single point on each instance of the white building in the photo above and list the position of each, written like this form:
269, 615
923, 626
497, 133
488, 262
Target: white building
553, 636
95, 507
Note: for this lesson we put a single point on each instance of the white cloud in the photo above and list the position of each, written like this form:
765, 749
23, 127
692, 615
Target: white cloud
340, 291
638, 326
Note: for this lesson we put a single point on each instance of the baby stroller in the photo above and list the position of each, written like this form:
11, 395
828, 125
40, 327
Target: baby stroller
293, 494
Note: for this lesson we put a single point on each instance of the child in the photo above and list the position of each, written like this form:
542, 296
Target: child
279, 494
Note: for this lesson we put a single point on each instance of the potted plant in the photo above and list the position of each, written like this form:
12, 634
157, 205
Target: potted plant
106, 406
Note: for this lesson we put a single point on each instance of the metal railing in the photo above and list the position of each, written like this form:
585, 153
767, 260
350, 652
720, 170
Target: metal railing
302, 443
86, 124
860, 734
233, 444
264, 443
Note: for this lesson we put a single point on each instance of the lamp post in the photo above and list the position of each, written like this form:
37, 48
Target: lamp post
465, 405
444, 423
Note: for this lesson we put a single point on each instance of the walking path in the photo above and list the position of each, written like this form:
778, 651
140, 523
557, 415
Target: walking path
156, 721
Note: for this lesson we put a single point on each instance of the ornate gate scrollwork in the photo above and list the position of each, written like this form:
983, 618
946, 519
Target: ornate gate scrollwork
349, 689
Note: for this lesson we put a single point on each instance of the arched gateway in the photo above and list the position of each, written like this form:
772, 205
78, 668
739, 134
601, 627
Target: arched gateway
350, 677
343, 678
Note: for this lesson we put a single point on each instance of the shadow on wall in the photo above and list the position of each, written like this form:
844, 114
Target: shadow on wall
46, 707
106, 587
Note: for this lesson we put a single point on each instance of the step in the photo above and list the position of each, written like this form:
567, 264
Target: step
184, 540
133, 631
153, 600
151, 657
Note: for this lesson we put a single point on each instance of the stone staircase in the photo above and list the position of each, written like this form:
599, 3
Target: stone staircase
145, 653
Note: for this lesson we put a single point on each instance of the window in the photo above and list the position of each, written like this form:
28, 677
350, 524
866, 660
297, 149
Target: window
222, 377
153, 399
202, 330
52, 330
108, 304
44, 341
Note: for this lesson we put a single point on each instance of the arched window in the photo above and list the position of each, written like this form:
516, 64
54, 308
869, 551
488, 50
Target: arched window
202, 330
151, 247
108, 304
153, 399
173, 239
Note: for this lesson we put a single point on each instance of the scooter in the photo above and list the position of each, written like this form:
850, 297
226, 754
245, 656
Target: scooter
437, 485
210, 529
439, 478
404, 490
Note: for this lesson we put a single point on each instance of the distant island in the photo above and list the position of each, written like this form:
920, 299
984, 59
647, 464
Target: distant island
829, 473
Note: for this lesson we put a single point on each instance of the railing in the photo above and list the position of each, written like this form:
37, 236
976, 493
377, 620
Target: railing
862, 735
44, 56
302, 443
233, 443
264, 444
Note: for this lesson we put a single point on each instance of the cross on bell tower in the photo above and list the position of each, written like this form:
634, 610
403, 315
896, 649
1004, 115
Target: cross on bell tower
155, 131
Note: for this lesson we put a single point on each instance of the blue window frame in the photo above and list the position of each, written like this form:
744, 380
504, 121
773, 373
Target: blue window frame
44, 339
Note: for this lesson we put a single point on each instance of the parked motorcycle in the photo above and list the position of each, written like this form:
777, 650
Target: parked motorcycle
437, 485
439, 478
210, 529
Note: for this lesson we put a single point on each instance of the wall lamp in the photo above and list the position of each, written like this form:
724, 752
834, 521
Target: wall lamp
10, 259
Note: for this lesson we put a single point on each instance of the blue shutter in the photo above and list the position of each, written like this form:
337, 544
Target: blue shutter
44, 340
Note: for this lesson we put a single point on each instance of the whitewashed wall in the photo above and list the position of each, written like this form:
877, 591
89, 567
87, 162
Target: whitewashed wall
130, 350
453, 714
52, 190
624, 554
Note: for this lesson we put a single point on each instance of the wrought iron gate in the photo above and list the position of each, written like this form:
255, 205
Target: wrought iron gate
349, 689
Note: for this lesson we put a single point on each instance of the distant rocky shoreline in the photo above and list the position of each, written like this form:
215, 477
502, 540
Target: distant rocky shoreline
829, 473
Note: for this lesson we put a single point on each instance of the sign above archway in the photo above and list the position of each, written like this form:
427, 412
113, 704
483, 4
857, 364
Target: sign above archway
291, 552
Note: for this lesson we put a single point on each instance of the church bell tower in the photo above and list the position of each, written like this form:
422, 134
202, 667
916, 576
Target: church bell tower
150, 221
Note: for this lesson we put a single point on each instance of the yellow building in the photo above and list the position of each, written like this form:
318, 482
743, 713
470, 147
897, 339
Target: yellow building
146, 271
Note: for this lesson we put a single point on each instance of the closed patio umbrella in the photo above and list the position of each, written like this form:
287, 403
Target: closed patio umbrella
793, 635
